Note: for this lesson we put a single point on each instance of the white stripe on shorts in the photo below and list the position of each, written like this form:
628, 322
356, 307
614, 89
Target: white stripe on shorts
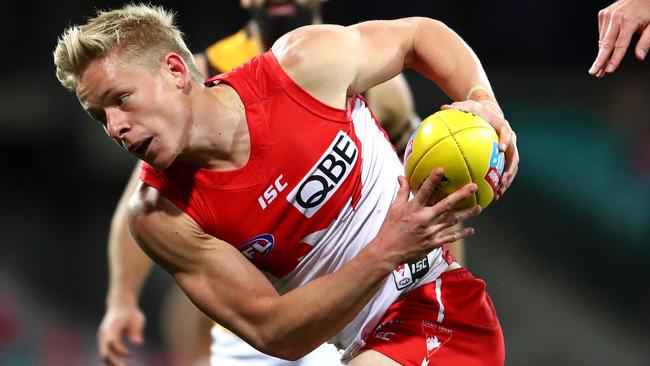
441, 310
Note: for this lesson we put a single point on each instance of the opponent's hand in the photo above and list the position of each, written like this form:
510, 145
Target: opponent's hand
415, 227
491, 112
118, 321
616, 25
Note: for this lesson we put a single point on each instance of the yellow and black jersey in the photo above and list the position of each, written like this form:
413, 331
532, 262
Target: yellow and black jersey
228, 53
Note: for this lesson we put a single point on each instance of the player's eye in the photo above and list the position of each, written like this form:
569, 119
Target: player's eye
122, 99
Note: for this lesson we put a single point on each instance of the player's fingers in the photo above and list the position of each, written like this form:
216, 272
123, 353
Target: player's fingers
598, 67
462, 214
136, 331
643, 45
426, 191
404, 189
455, 105
468, 212
505, 136
601, 24
455, 217
448, 203
452, 236
108, 354
103, 341
622, 42
113, 360
606, 44
116, 346
512, 167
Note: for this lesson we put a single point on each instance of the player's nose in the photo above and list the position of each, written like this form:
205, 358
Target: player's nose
116, 124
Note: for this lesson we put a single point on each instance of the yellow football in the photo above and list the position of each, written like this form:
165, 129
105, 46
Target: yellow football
465, 146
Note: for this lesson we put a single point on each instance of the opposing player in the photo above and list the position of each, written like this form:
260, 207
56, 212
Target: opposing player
211, 149
617, 24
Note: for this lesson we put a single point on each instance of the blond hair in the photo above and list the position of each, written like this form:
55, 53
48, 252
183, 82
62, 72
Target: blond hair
143, 34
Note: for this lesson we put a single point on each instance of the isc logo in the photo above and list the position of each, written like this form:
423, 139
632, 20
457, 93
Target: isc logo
271, 193
257, 247
324, 178
407, 274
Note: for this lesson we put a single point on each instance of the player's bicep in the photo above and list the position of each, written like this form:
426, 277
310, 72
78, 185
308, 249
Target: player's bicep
381, 51
331, 61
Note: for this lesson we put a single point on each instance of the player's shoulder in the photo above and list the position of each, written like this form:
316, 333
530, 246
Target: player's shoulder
319, 58
312, 35
148, 210
319, 40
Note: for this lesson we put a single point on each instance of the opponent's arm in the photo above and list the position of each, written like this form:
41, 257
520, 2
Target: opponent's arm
128, 269
230, 290
617, 24
372, 52
392, 104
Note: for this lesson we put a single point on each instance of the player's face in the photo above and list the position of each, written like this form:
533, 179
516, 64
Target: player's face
141, 111
277, 17
273, 8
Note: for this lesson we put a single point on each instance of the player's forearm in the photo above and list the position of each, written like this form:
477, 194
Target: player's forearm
299, 321
128, 265
442, 56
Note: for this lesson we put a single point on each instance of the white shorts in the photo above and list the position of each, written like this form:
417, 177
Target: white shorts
229, 350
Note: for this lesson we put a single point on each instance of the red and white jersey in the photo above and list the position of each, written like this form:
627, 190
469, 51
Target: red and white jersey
315, 190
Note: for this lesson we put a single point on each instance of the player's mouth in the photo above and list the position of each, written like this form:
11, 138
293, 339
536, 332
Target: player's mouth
141, 149
275, 8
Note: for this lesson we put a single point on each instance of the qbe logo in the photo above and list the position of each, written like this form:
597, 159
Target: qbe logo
257, 247
325, 178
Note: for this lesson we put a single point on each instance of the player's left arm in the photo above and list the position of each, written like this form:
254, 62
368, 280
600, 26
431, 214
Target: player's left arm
437, 52
373, 52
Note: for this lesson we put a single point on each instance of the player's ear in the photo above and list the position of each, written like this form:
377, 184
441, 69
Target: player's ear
175, 68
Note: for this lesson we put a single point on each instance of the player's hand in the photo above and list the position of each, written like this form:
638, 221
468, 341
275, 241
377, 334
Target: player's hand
118, 321
415, 227
491, 112
616, 25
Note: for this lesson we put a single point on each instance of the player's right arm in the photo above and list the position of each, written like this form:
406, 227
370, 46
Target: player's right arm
231, 291
128, 269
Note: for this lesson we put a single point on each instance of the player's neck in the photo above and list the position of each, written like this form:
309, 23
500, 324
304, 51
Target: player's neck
218, 138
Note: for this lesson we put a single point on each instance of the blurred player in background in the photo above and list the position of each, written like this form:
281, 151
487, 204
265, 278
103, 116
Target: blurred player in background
185, 329
617, 24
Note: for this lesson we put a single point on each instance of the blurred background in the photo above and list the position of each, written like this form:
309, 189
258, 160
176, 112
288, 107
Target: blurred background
564, 253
